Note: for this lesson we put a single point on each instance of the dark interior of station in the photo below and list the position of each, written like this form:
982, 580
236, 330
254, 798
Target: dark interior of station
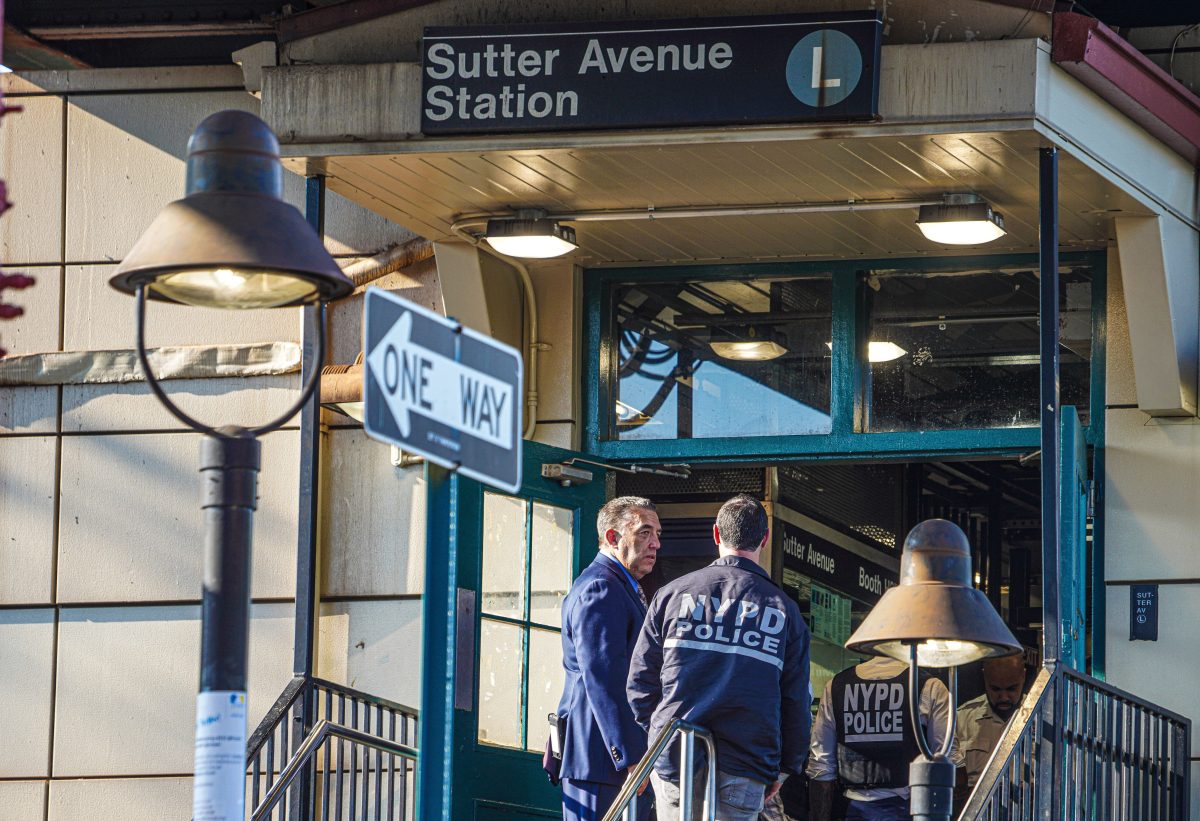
865, 508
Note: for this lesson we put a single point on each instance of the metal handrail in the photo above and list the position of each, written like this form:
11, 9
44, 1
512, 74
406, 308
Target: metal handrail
320, 732
1013, 749
1079, 748
276, 744
625, 805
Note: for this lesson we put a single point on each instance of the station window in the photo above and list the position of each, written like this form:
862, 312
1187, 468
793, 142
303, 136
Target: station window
527, 556
951, 344
746, 357
960, 349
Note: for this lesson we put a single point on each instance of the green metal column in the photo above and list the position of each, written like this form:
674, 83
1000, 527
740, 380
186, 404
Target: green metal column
435, 767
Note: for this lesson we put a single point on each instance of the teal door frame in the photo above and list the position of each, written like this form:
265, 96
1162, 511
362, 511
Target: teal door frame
458, 776
847, 441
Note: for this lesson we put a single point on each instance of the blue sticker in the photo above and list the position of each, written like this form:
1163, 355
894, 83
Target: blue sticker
824, 68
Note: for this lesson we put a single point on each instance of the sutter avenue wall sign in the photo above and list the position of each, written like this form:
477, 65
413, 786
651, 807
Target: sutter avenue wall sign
832, 565
579, 76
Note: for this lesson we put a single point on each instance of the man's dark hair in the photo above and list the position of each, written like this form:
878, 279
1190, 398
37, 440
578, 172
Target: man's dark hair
742, 523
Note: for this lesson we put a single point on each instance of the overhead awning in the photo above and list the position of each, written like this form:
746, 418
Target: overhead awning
976, 129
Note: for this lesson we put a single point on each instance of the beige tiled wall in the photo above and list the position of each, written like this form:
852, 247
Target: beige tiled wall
100, 520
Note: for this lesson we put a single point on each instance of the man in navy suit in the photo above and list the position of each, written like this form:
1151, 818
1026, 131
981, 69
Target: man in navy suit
602, 618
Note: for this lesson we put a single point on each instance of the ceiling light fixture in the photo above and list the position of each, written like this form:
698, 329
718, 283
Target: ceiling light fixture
960, 219
879, 351
757, 350
531, 235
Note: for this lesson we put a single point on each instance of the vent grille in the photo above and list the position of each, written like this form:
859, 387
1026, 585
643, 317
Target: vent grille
865, 501
702, 486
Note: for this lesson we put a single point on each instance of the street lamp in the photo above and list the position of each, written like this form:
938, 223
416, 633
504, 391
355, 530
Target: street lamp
934, 618
231, 242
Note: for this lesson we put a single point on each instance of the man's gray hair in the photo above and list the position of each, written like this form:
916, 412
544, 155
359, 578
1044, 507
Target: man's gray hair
616, 513
742, 523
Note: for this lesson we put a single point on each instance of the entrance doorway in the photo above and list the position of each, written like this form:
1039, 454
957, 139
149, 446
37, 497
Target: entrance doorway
838, 530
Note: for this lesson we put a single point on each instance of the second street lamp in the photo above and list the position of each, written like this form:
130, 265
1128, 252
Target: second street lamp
933, 618
231, 242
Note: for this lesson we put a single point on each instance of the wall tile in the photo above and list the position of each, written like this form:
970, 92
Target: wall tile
32, 409
131, 406
374, 646
99, 318
145, 544
23, 800
1152, 499
1163, 671
130, 673
36, 331
374, 522
350, 229
31, 165
129, 148
26, 519
27, 659
129, 799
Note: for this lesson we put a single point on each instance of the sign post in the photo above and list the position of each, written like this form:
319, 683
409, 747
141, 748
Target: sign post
454, 396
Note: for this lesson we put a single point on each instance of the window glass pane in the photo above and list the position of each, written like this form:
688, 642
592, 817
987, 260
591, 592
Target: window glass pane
745, 357
499, 683
553, 540
961, 349
545, 683
504, 550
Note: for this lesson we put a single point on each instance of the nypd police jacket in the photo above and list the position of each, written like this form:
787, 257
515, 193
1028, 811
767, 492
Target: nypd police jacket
725, 648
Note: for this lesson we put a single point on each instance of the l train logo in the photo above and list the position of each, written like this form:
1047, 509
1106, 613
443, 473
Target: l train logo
824, 68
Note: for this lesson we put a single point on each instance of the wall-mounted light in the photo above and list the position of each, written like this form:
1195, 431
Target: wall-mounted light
879, 351
530, 235
960, 219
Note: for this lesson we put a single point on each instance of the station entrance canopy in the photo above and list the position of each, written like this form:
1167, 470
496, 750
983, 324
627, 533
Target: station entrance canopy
954, 117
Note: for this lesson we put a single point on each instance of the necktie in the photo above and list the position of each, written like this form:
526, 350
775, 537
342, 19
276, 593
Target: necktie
642, 596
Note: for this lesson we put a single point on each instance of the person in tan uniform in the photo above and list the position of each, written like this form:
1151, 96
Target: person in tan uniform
981, 721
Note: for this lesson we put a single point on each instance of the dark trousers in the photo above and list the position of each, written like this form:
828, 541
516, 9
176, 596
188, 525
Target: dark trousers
589, 800
885, 809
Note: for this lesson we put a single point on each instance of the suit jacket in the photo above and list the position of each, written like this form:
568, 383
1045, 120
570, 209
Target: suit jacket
602, 617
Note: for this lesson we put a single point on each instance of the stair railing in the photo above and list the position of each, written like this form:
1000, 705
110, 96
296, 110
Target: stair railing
306, 756
360, 768
625, 805
1078, 748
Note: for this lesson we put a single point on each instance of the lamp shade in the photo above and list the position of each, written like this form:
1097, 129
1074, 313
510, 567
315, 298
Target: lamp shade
232, 242
934, 606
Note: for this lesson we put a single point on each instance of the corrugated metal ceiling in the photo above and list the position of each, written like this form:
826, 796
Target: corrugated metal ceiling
426, 192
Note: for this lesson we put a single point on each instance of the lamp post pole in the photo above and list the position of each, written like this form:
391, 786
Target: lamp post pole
232, 242
931, 774
229, 463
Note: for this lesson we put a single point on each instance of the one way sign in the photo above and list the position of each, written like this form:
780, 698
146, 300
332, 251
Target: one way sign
434, 387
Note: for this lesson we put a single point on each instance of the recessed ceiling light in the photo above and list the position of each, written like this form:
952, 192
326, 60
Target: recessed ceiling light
756, 350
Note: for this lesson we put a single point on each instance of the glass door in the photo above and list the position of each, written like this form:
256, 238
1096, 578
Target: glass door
517, 558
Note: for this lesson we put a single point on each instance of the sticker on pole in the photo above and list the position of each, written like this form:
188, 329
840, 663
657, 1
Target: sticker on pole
218, 793
441, 390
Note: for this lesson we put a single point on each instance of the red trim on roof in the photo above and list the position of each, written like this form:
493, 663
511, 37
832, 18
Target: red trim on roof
1127, 79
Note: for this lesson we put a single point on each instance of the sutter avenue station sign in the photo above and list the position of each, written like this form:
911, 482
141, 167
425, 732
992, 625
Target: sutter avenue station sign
581, 76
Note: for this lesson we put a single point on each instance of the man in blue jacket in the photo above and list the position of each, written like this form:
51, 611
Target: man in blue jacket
602, 616
725, 648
